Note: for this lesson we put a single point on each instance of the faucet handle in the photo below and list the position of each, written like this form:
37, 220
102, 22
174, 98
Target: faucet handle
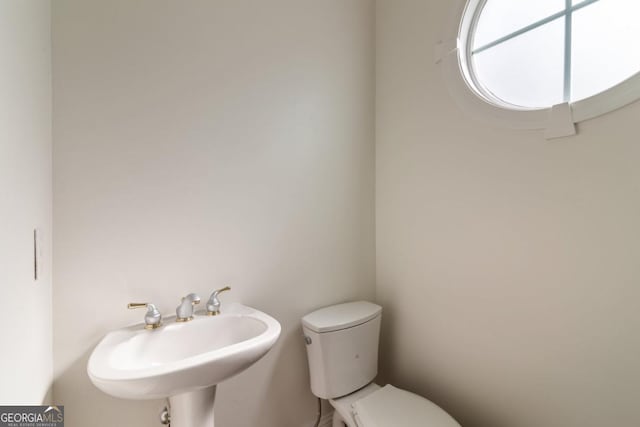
184, 312
213, 305
153, 318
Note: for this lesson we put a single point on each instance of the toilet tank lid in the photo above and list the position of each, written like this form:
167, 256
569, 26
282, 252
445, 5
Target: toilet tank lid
341, 316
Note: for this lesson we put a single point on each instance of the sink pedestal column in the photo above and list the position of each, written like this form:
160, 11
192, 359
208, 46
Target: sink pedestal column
193, 409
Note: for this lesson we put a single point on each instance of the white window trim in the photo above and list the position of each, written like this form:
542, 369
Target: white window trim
556, 121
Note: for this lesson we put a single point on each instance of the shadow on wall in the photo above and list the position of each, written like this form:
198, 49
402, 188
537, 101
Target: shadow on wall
386, 357
48, 397
468, 414
290, 367
271, 389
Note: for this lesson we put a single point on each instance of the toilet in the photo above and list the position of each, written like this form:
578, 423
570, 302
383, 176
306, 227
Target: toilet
342, 350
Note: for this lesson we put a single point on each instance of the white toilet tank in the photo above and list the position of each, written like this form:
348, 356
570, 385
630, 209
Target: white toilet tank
342, 347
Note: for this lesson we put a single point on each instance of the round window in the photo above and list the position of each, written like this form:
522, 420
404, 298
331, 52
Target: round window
533, 54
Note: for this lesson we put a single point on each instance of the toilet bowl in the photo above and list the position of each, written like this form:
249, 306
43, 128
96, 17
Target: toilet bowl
342, 351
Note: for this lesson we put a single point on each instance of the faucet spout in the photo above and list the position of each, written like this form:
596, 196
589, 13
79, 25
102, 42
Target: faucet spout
184, 312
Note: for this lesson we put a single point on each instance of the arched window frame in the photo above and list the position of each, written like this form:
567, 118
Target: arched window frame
453, 55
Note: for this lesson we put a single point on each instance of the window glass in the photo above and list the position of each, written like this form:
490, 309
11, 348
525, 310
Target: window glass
502, 17
605, 46
538, 53
525, 71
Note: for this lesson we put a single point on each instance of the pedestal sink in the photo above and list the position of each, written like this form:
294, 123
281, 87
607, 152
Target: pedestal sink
182, 361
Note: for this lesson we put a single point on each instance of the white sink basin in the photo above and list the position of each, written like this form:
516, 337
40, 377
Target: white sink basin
179, 358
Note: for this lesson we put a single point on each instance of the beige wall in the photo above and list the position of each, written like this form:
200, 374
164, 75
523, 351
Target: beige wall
219, 142
507, 264
202, 143
25, 200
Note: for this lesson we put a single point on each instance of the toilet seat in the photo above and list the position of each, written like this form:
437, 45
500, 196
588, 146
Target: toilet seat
392, 407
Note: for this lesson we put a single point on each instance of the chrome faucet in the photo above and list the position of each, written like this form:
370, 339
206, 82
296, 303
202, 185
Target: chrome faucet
213, 305
184, 312
153, 318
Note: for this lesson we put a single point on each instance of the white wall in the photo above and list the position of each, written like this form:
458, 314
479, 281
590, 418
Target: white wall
507, 264
25, 201
202, 143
